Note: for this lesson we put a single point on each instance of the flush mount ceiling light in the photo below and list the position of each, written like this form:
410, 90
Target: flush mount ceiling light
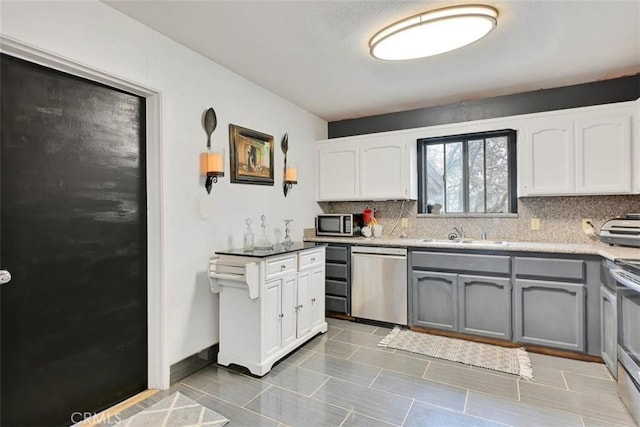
433, 32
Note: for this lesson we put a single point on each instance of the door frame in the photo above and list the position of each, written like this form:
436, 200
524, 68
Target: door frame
157, 366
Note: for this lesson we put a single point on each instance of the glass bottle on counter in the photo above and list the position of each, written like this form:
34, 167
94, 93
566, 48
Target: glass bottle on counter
287, 233
248, 237
263, 243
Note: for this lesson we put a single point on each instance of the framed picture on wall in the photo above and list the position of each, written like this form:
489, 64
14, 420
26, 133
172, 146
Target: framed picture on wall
251, 156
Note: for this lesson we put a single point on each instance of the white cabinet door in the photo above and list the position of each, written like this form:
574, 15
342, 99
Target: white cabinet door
317, 296
289, 288
603, 155
384, 174
273, 317
338, 171
304, 303
549, 157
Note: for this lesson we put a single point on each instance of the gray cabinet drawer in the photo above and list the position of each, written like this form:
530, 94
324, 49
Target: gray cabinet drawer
554, 268
336, 271
461, 262
337, 254
336, 287
336, 304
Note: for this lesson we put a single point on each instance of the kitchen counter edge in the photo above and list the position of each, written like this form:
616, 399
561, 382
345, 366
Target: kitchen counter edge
610, 252
276, 250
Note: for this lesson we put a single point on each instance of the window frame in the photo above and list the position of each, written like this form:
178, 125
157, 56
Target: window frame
511, 136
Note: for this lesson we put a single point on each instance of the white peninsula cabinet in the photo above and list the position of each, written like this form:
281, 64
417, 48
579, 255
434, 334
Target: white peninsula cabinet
371, 167
579, 152
270, 304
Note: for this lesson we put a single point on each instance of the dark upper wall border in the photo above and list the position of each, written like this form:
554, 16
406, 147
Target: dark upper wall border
582, 95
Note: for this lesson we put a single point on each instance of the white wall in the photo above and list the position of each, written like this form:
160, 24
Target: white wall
100, 37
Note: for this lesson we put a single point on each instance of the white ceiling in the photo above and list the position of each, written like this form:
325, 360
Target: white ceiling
315, 53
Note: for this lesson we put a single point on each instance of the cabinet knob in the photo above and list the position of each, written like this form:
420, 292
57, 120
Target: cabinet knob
300, 306
281, 315
313, 300
282, 267
313, 260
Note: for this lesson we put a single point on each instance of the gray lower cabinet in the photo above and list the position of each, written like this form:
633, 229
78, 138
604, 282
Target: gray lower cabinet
435, 300
472, 295
550, 313
609, 329
485, 306
338, 279
478, 305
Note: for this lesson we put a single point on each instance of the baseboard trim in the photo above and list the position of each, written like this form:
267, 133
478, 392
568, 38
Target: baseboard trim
340, 316
567, 354
193, 363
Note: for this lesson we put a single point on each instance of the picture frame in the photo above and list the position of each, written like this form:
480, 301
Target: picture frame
251, 156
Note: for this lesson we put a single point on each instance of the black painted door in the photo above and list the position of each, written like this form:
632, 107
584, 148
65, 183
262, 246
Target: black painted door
73, 319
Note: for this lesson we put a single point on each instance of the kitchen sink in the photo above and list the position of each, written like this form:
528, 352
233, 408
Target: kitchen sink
466, 241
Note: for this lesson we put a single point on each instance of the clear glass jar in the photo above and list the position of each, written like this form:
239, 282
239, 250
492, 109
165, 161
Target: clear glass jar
248, 237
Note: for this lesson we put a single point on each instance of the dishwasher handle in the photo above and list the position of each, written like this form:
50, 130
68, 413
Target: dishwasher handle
378, 250
377, 256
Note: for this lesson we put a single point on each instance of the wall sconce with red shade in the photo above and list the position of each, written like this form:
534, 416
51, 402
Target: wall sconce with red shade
211, 162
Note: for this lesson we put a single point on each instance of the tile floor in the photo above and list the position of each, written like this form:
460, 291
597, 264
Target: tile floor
343, 379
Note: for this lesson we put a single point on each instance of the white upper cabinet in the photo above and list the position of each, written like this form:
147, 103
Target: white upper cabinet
384, 169
549, 153
338, 171
589, 150
603, 154
579, 151
376, 167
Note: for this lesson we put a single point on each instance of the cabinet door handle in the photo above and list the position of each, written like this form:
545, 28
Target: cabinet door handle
300, 306
313, 300
282, 267
313, 260
281, 315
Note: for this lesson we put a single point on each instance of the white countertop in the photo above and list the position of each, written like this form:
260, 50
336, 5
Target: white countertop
596, 248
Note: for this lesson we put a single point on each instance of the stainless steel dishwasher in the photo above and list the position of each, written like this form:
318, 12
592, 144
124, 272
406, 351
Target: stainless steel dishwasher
379, 284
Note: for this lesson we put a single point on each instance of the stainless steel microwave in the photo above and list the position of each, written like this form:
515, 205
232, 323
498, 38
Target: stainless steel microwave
335, 225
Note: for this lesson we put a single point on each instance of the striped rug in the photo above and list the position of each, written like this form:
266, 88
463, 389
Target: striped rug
510, 360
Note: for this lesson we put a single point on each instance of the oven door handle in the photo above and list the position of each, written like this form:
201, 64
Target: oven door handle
624, 281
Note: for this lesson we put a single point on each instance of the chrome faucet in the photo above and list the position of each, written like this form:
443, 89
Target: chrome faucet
459, 232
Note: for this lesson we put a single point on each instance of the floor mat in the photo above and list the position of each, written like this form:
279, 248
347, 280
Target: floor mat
176, 410
510, 360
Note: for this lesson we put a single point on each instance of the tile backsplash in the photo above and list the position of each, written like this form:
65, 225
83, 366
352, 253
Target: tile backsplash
560, 218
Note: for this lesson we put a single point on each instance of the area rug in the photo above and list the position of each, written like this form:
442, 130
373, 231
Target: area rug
176, 410
510, 360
